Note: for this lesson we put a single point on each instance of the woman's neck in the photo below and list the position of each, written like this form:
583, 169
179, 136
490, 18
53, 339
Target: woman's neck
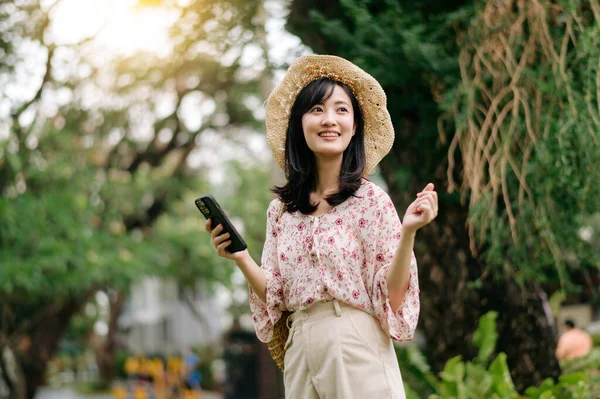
328, 176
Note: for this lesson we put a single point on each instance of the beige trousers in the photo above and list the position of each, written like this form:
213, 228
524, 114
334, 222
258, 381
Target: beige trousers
337, 351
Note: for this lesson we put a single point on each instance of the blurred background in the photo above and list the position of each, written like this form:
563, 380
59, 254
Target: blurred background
116, 114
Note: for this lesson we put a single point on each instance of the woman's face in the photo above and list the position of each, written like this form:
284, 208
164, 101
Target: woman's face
329, 126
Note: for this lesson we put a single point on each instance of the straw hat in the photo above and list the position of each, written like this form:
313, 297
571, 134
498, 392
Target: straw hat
379, 132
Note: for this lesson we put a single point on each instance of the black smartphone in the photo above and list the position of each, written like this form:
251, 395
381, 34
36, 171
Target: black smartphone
210, 208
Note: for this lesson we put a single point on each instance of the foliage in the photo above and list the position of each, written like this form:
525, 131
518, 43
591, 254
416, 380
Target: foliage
478, 378
482, 378
591, 361
97, 192
54, 242
416, 372
120, 359
526, 115
570, 386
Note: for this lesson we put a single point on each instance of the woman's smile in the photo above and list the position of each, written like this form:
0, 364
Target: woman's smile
329, 135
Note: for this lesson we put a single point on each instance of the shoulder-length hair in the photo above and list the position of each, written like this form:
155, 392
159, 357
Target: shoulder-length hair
300, 163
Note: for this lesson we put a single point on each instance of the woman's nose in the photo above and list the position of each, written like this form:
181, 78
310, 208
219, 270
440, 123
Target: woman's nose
328, 119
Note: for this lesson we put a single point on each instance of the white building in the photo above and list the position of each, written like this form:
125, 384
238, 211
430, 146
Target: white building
158, 318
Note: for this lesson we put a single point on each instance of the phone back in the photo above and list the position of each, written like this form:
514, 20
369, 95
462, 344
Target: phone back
210, 208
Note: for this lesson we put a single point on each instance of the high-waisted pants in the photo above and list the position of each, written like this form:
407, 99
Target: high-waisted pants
337, 351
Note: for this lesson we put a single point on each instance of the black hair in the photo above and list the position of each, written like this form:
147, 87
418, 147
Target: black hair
570, 323
300, 163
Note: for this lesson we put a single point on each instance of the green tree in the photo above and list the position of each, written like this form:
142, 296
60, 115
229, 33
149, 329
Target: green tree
526, 115
99, 190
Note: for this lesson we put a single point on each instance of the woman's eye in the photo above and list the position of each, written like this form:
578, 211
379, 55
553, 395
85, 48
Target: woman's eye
343, 109
318, 109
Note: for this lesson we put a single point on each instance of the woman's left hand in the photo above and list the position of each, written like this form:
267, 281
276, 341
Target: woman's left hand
422, 211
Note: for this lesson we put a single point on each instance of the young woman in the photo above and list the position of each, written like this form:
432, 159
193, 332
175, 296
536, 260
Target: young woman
336, 253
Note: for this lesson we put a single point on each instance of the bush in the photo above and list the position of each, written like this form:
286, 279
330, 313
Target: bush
120, 358
484, 378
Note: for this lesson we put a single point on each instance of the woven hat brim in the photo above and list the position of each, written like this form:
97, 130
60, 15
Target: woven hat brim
379, 131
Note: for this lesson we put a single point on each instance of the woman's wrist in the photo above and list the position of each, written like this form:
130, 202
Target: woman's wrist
245, 261
254, 274
408, 238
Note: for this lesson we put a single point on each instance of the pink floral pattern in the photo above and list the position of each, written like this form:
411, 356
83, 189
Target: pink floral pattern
343, 254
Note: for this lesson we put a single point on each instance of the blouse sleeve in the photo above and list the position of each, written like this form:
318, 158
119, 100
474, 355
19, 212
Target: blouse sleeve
400, 325
265, 315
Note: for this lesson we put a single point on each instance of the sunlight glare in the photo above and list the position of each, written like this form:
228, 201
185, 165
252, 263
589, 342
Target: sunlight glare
121, 27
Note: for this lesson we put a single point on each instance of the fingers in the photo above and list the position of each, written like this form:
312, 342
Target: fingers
431, 198
423, 209
425, 213
220, 241
216, 231
222, 247
430, 192
426, 210
426, 207
421, 204
217, 237
428, 187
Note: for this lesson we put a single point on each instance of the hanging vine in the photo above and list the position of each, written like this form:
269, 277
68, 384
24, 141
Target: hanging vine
527, 109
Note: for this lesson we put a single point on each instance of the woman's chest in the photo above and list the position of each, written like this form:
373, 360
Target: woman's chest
306, 244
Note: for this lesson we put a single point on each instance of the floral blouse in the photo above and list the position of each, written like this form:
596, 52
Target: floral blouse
343, 254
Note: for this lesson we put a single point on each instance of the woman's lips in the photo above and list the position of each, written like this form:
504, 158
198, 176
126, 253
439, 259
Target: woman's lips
329, 135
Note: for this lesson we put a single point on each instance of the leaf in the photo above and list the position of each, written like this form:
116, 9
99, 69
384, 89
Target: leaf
454, 370
452, 379
536, 392
485, 336
478, 381
573, 378
502, 381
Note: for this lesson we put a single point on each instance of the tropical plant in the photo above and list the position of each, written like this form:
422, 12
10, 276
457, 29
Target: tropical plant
487, 376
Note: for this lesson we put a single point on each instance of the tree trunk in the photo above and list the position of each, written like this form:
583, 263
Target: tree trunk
526, 329
10, 371
105, 350
450, 303
45, 340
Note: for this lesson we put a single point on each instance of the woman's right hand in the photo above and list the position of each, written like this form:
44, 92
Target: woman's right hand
221, 242
253, 273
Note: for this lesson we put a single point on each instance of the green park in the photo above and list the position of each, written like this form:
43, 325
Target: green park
115, 115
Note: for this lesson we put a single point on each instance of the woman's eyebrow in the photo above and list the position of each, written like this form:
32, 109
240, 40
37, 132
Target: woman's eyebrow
341, 102
335, 103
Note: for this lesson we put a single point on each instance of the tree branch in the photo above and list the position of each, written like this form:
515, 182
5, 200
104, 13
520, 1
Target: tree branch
47, 76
